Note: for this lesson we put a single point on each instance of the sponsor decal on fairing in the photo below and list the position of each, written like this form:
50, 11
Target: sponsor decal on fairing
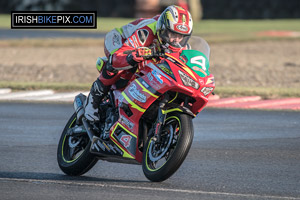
157, 76
136, 94
145, 84
156, 85
150, 77
126, 121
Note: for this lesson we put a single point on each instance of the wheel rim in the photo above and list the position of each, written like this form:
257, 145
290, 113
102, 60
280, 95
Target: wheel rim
157, 155
73, 147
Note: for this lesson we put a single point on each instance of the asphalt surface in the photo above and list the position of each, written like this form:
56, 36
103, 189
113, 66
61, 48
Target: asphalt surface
34, 33
236, 154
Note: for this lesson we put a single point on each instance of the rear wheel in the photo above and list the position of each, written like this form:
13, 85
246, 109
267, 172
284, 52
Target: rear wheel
161, 160
73, 155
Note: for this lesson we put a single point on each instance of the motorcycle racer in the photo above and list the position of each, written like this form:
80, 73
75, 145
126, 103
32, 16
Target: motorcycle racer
169, 31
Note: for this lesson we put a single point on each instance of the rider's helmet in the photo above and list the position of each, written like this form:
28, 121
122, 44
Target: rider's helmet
174, 27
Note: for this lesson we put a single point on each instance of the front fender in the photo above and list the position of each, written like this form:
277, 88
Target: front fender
177, 108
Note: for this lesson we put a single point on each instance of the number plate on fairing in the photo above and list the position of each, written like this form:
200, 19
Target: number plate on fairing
125, 138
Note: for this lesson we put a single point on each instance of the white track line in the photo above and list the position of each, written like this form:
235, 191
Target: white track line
40, 95
56, 97
20, 95
5, 90
147, 188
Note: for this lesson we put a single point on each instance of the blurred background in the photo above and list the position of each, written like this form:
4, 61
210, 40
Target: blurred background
255, 44
206, 9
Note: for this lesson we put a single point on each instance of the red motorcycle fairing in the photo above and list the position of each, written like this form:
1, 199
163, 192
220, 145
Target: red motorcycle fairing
145, 87
152, 115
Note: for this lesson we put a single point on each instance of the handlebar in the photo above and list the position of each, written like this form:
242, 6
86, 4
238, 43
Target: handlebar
158, 54
154, 54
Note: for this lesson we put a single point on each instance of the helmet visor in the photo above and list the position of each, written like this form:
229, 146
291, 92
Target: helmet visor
174, 39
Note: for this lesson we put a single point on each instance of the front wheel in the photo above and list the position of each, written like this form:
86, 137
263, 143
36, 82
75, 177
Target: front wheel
161, 160
73, 155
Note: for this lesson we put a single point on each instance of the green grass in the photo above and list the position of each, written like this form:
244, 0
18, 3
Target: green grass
241, 26
211, 30
243, 30
52, 42
202, 27
4, 21
265, 93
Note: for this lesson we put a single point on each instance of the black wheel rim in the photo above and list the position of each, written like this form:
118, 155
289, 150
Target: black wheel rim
73, 147
156, 155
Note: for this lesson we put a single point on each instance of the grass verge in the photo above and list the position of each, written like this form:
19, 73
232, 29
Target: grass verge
57, 42
73, 42
105, 24
222, 91
265, 93
214, 31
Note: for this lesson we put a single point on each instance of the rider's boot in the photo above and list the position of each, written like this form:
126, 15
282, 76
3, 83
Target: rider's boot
98, 91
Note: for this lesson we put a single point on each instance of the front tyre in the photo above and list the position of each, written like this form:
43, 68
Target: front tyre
73, 155
162, 160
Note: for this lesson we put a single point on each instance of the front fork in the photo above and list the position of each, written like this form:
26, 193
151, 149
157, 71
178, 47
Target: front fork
161, 117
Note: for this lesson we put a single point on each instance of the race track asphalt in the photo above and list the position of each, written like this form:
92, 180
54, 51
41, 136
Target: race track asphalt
236, 154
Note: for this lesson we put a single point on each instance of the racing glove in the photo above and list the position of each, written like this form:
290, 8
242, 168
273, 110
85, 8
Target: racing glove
139, 55
144, 52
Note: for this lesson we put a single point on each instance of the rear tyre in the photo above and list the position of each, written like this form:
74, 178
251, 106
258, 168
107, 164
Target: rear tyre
73, 155
160, 161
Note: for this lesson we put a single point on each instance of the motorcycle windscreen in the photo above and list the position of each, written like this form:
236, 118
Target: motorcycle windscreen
199, 44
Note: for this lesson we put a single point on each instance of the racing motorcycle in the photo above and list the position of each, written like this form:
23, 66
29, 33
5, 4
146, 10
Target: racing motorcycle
149, 122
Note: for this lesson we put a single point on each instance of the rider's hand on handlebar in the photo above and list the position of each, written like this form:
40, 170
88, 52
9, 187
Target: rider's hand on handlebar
140, 54
135, 57
144, 52
148, 53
